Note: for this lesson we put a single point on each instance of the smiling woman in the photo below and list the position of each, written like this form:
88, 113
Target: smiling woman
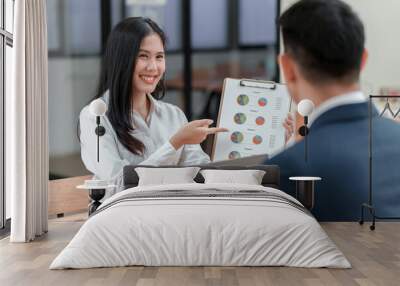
150, 65
140, 129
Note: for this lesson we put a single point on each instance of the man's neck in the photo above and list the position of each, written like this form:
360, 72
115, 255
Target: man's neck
321, 94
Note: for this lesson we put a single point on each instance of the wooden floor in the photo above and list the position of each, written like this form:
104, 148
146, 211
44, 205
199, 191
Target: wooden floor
65, 198
375, 257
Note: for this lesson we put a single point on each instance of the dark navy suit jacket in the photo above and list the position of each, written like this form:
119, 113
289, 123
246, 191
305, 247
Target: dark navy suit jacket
338, 145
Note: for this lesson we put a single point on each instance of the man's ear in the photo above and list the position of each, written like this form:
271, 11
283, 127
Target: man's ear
364, 59
287, 66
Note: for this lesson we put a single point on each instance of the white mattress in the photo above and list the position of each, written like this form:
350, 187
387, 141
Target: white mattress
185, 231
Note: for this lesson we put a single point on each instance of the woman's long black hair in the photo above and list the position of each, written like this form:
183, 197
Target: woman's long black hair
117, 68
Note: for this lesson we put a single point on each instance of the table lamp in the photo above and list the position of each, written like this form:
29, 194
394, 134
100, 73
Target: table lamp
98, 108
305, 108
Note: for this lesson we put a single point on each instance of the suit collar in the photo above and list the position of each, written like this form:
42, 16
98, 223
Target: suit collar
335, 101
348, 112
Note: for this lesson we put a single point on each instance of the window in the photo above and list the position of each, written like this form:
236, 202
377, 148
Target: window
6, 43
166, 14
74, 27
213, 33
257, 26
9, 15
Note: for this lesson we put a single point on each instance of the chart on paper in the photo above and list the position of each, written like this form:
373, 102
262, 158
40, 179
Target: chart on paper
253, 111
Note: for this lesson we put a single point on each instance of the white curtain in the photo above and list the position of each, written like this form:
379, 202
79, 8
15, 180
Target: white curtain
26, 129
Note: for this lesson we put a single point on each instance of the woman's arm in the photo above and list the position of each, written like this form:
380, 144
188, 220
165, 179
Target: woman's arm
192, 154
165, 155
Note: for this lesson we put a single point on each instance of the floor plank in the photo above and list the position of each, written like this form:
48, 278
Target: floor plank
375, 257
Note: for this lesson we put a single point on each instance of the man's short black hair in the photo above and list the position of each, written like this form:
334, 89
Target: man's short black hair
326, 38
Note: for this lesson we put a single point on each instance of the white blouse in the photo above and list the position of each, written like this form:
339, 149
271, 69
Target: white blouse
163, 121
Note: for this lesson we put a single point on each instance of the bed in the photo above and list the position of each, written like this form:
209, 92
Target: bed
201, 224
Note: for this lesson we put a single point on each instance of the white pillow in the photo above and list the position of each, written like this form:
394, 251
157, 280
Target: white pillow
248, 177
165, 176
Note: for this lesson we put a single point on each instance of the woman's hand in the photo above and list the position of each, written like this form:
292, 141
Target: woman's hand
289, 127
194, 132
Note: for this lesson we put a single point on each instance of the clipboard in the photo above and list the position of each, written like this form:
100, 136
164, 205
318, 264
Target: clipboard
253, 112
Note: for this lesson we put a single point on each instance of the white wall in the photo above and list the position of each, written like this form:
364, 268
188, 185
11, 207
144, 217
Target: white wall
381, 21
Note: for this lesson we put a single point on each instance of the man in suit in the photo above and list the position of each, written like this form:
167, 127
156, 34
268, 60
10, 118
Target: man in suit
322, 59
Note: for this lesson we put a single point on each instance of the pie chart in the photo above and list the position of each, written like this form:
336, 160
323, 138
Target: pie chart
257, 139
260, 120
234, 155
262, 102
237, 137
239, 118
242, 99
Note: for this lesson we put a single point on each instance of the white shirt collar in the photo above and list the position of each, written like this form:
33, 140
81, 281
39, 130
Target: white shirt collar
344, 99
153, 108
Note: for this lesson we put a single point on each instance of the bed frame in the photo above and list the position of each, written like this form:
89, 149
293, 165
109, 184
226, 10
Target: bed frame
270, 179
